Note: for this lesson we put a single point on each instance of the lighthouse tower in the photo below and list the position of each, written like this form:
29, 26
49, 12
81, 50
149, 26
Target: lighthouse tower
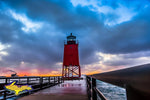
71, 66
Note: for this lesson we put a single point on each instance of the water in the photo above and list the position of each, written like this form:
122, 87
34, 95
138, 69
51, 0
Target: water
2, 80
111, 92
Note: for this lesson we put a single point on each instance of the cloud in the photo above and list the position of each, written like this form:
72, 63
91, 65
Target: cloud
36, 32
28, 24
132, 36
113, 12
35, 49
127, 60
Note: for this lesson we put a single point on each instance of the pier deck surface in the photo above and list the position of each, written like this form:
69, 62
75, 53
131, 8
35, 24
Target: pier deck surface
69, 90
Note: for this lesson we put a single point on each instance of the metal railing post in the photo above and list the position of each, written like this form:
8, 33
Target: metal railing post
41, 82
19, 81
54, 79
58, 79
27, 80
49, 80
92, 91
6, 81
4, 95
89, 87
94, 95
62, 80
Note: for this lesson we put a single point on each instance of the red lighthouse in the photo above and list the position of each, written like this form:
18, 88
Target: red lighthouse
71, 66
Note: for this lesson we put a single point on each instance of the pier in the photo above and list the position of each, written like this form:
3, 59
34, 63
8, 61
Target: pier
69, 90
54, 88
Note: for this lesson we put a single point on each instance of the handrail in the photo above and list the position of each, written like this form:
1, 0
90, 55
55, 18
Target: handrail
92, 91
100, 94
136, 81
37, 86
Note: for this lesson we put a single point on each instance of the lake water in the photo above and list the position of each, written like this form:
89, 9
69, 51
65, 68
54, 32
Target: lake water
111, 92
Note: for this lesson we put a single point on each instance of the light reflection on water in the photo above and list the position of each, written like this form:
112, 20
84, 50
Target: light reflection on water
111, 92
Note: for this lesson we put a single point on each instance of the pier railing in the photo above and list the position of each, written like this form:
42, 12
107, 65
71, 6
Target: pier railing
136, 81
92, 90
37, 83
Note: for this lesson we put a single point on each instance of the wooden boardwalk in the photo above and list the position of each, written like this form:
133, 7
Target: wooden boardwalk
69, 90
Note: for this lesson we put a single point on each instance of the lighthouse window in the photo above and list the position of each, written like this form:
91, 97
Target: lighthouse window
70, 47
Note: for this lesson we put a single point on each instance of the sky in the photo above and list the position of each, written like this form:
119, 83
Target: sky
112, 35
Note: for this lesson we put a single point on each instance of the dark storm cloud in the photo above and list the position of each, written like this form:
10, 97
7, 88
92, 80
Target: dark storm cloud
43, 50
62, 14
46, 49
66, 19
9, 28
132, 36
37, 50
